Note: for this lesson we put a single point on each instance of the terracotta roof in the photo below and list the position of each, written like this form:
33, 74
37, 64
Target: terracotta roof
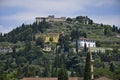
103, 78
86, 39
39, 79
54, 78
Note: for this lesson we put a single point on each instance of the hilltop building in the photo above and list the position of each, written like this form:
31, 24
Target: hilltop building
50, 18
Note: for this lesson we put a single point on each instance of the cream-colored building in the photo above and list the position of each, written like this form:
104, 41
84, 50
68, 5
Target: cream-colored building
50, 18
97, 49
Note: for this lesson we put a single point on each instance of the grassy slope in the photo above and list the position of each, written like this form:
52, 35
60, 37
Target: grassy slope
93, 32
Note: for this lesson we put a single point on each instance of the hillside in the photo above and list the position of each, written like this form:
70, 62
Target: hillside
98, 32
42, 50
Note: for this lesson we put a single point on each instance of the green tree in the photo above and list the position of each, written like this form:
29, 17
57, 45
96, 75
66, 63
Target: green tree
3, 77
52, 71
112, 67
113, 28
66, 46
12, 75
91, 22
69, 19
72, 73
40, 41
80, 19
57, 61
119, 30
47, 70
115, 50
56, 72
27, 72
98, 63
1, 37
27, 46
108, 30
62, 74
87, 74
85, 47
2, 66
105, 31
51, 39
77, 37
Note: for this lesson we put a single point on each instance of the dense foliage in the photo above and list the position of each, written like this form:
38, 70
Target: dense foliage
62, 74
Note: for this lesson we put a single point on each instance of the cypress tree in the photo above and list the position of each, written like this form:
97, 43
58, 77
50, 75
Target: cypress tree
87, 74
72, 73
77, 37
85, 47
105, 31
112, 67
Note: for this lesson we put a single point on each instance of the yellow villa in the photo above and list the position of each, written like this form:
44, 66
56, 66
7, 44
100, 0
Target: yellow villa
49, 37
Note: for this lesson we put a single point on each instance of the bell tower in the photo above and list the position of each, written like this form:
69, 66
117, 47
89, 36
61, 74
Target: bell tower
92, 65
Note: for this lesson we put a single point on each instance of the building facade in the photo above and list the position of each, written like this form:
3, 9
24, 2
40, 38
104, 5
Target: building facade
84, 41
50, 18
49, 37
6, 50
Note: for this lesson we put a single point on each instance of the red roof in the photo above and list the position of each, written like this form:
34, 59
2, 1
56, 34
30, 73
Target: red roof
50, 78
86, 39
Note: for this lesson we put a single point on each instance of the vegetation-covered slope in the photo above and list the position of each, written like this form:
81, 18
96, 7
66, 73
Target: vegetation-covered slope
87, 28
29, 60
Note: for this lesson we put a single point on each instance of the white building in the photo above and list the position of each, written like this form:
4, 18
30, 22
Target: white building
6, 50
88, 42
47, 48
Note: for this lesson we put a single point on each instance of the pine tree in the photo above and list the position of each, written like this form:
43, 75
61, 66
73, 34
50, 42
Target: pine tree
113, 28
87, 74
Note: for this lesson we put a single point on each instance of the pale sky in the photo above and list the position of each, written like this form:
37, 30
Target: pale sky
15, 12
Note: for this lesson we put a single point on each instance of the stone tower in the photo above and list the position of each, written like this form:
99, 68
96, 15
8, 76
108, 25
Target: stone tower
92, 65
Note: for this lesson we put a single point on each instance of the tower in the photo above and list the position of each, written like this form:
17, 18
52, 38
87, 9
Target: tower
92, 65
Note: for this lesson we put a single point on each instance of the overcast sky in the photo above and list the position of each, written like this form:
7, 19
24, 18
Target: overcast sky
15, 12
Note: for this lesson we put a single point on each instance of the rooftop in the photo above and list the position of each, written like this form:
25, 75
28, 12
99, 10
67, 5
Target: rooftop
54, 78
86, 39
